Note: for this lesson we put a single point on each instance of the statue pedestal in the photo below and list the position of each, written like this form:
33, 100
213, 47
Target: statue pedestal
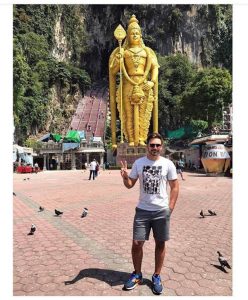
129, 153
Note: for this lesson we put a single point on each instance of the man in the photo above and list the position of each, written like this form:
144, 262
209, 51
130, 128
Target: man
36, 167
92, 169
179, 167
154, 207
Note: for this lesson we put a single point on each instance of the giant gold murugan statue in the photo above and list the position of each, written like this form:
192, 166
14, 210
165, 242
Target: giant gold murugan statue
137, 95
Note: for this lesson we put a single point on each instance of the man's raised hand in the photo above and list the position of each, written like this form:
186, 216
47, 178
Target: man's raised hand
124, 173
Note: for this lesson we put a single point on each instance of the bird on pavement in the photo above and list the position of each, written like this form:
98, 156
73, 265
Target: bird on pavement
223, 261
14, 194
32, 229
57, 212
41, 208
84, 213
201, 214
212, 213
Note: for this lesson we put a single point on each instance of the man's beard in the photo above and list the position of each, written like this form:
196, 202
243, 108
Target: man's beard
154, 152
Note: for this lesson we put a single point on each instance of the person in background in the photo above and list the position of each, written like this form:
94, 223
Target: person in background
92, 169
97, 168
36, 167
179, 167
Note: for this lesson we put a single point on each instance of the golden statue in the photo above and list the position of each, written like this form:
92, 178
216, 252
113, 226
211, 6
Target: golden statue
137, 93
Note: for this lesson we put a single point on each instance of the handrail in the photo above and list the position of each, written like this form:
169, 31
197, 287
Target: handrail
98, 112
83, 107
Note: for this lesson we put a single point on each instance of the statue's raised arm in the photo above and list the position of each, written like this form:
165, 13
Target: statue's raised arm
136, 97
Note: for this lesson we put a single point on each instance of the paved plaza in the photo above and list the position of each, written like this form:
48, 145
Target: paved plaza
91, 256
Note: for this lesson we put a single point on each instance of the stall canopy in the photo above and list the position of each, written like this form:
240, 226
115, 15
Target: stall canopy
56, 137
45, 138
24, 153
82, 135
69, 146
183, 132
72, 136
17, 150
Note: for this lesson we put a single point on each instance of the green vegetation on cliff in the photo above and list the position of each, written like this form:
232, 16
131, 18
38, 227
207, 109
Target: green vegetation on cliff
36, 70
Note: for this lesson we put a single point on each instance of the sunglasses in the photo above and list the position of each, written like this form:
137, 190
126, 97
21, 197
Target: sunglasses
155, 145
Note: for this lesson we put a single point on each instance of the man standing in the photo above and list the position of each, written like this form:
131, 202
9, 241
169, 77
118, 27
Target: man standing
36, 167
154, 207
179, 167
92, 169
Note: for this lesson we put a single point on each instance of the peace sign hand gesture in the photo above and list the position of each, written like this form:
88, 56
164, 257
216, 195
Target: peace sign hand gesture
124, 173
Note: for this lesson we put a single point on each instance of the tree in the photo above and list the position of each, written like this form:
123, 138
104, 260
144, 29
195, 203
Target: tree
208, 94
175, 75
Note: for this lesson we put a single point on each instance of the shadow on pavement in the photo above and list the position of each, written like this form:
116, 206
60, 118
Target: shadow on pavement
196, 175
111, 277
220, 268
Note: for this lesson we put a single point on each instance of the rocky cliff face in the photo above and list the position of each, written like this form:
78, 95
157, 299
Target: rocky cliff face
60, 49
198, 31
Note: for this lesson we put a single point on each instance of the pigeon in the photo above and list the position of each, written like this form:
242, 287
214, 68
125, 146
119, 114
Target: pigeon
212, 213
84, 213
24, 179
57, 212
32, 229
201, 213
223, 261
28, 178
41, 208
14, 194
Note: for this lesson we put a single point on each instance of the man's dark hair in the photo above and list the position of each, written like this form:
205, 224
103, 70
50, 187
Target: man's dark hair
154, 135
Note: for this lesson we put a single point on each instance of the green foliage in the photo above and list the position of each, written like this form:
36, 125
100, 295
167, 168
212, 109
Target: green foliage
208, 94
191, 97
34, 46
80, 77
175, 20
33, 143
35, 18
198, 125
223, 37
217, 41
175, 75
108, 132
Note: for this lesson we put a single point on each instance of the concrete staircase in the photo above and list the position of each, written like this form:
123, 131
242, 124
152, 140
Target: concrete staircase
91, 113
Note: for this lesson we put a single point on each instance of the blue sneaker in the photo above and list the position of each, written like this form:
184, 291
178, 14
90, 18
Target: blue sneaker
157, 286
133, 281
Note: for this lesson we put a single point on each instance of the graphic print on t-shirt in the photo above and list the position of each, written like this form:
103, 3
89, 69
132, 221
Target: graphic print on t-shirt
151, 179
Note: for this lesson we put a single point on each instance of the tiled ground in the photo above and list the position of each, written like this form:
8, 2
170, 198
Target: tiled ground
69, 255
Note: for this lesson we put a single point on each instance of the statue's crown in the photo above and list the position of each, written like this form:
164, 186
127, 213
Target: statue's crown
133, 23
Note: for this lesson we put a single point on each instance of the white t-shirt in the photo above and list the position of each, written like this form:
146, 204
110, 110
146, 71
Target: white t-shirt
93, 166
153, 176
